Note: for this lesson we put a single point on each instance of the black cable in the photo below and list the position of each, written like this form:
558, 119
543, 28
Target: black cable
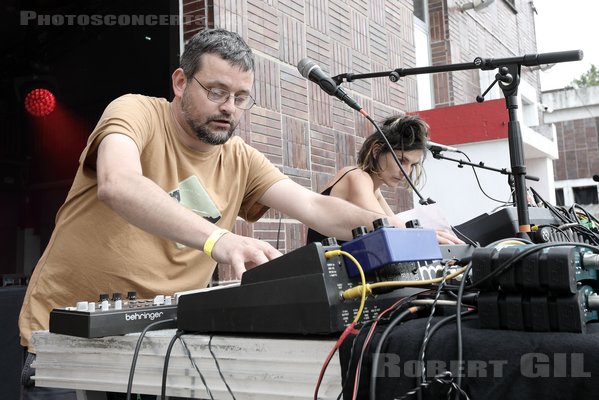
365, 347
565, 214
589, 215
582, 232
379, 346
587, 233
399, 305
458, 326
193, 363
478, 181
167, 357
428, 322
440, 324
558, 230
418, 389
573, 212
351, 356
218, 368
443, 379
136, 352
550, 207
590, 218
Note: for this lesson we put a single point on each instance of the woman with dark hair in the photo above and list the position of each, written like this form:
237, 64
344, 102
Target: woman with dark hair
361, 184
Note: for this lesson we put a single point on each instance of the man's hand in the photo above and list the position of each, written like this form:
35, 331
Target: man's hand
396, 221
242, 252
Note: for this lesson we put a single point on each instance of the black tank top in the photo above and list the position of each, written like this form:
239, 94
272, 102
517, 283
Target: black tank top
314, 236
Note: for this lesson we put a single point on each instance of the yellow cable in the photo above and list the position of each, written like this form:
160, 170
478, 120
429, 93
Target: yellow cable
365, 289
362, 287
355, 291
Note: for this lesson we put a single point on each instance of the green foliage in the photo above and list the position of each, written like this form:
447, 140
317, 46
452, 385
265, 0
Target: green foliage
588, 79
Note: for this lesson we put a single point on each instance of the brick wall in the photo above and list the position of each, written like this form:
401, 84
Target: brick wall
310, 135
457, 36
578, 146
302, 130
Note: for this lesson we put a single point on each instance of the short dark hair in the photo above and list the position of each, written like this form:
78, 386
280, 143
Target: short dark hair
228, 45
404, 133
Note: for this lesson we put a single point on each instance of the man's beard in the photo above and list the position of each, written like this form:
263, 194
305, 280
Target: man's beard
203, 131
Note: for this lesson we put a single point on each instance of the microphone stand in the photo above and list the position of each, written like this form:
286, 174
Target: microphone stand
508, 66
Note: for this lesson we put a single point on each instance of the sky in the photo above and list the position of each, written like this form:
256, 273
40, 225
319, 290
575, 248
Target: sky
567, 25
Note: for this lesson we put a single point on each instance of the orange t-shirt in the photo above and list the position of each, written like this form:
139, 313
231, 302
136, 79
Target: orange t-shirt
93, 250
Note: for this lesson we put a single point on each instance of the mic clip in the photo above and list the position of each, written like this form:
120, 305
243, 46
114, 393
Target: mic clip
338, 79
503, 76
435, 151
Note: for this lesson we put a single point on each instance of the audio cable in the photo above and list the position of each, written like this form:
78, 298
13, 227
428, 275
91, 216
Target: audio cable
350, 329
369, 287
136, 353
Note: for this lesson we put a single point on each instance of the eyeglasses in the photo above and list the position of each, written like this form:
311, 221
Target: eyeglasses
222, 96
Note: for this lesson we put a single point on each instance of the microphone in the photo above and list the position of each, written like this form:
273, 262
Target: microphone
310, 70
437, 148
555, 57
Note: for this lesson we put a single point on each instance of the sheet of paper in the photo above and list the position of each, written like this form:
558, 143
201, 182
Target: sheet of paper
430, 216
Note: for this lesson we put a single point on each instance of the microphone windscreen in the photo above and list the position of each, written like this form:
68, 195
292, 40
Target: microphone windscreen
304, 66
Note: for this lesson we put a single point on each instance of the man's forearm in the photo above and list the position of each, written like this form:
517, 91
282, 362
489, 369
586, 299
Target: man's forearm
144, 204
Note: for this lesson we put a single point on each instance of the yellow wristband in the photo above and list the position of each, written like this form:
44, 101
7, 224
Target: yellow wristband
212, 239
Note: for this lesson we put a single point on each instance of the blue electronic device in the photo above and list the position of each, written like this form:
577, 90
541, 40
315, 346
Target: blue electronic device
387, 245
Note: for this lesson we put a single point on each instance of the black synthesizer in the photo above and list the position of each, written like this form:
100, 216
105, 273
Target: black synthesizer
113, 317
298, 293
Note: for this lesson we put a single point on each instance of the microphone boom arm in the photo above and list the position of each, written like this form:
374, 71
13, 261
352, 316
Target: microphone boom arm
461, 163
528, 60
513, 66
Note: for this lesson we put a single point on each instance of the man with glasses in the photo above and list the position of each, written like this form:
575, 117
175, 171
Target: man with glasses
159, 187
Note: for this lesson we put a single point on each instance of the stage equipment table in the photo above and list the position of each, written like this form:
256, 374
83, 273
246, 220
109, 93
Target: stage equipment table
254, 367
497, 364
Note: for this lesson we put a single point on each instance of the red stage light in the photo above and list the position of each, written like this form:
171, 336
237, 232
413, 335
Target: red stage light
40, 102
